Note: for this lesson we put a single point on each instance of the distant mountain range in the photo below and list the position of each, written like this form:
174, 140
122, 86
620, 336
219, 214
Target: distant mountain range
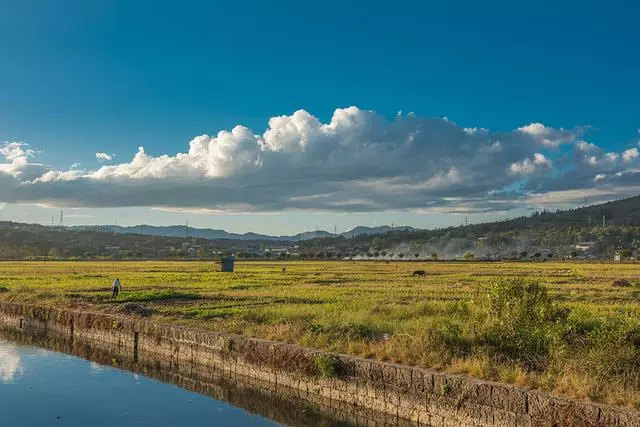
213, 234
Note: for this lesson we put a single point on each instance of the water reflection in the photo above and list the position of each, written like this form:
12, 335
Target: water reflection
54, 389
253, 396
10, 364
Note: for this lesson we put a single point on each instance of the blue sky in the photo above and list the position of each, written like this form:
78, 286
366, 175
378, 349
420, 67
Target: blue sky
79, 78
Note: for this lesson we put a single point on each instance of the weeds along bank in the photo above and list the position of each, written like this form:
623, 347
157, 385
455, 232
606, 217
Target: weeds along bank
555, 326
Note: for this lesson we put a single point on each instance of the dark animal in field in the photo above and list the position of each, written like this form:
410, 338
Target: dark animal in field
624, 283
419, 273
284, 269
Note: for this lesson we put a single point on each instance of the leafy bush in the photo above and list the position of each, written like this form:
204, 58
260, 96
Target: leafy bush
523, 322
449, 338
441, 342
602, 360
327, 365
615, 346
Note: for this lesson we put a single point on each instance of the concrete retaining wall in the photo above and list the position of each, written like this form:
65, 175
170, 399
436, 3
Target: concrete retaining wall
401, 393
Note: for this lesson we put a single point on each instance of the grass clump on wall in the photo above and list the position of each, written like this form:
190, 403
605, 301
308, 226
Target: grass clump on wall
327, 365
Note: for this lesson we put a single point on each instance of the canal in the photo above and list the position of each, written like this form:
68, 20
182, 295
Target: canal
42, 385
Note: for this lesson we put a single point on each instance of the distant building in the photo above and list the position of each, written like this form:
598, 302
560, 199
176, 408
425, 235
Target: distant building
276, 252
584, 246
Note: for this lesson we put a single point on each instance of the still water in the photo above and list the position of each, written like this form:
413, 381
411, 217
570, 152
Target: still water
40, 387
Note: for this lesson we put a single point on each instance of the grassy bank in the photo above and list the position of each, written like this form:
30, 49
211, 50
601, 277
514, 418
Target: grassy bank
556, 326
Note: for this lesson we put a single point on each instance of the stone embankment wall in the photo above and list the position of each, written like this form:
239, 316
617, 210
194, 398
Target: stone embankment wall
281, 404
401, 393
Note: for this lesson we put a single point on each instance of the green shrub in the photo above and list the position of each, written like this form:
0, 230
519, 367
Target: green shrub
602, 359
327, 365
446, 341
615, 345
523, 322
231, 346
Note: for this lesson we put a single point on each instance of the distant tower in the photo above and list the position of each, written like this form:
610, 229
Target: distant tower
335, 230
61, 218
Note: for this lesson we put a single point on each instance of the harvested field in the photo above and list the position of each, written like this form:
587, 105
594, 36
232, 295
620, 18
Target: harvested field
563, 327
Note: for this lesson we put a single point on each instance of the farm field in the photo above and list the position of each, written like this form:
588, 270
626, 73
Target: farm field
557, 326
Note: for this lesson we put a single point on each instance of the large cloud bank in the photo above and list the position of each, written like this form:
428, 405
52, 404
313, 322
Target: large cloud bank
358, 162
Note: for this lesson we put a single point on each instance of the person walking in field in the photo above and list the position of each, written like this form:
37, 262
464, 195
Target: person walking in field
115, 287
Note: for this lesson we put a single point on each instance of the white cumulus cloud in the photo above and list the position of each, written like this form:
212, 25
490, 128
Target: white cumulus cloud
104, 157
630, 154
357, 161
548, 136
531, 165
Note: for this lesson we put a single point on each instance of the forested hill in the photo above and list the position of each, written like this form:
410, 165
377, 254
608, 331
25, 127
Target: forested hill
624, 212
554, 233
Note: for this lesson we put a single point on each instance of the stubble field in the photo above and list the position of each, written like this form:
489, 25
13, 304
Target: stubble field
557, 326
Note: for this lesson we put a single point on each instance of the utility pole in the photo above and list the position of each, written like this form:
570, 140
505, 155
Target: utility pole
335, 230
61, 218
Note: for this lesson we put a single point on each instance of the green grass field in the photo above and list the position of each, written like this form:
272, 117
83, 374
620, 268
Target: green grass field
565, 328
